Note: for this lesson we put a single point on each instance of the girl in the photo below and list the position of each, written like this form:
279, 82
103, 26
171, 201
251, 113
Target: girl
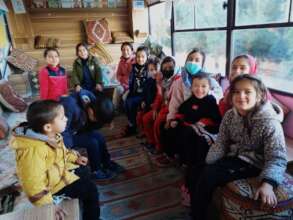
250, 143
242, 64
86, 72
181, 87
52, 78
44, 165
137, 79
123, 71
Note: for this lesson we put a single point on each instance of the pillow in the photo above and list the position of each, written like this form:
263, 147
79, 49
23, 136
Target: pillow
21, 60
20, 84
98, 31
10, 99
99, 51
120, 37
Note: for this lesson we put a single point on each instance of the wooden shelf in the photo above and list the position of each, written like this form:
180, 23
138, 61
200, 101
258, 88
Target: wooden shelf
53, 10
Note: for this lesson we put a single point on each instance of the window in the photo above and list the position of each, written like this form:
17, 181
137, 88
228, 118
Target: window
160, 28
184, 14
212, 43
251, 12
273, 48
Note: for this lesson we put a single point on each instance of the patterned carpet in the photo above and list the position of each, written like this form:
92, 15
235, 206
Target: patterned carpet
144, 191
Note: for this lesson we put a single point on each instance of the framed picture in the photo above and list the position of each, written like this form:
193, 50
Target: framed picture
18, 6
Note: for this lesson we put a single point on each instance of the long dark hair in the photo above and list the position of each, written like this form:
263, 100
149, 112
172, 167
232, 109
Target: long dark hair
40, 113
81, 44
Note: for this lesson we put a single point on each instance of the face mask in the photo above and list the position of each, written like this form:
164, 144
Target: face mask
168, 73
192, 68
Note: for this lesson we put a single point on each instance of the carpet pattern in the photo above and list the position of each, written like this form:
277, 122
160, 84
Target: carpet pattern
144, 191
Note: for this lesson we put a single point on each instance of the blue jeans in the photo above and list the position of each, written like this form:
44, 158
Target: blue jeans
96, 147
131, 106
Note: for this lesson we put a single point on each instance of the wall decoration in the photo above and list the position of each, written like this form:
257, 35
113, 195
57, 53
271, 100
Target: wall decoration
18, 6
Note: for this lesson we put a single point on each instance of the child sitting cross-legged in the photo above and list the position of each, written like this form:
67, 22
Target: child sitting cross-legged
45, 167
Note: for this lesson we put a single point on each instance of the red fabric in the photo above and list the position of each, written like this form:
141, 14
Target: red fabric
158, 99
148, 127
98, 31
161, 119
52, 87
124, 70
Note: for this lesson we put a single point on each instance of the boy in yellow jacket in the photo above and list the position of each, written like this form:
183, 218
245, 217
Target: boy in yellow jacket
45, 167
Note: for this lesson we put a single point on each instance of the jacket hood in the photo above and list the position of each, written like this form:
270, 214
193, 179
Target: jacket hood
22, 136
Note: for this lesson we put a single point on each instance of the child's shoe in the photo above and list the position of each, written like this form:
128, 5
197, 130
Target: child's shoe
103, 175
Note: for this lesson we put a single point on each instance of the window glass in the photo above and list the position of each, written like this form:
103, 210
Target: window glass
213, 43
184, 14
273, 48
210, 13
249, 12
160, 16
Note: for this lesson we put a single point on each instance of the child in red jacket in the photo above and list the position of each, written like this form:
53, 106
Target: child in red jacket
52, 77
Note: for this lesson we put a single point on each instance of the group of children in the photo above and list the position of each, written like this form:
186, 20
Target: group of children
178, 110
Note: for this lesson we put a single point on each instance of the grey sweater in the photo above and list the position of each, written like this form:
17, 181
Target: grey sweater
257, 139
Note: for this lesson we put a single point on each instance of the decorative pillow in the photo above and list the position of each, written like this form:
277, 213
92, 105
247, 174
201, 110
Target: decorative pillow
238, 200
21, 60
20, 84
99, 51
120, 37
98, 31
10, 99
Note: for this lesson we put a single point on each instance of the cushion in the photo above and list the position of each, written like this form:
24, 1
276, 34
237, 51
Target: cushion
99, 51
20, 84
10, 99
238, 200
21, 60
120, 37
98, 31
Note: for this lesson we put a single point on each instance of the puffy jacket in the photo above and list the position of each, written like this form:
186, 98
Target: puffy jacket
77, 71
43, 166
53, 82
124, 70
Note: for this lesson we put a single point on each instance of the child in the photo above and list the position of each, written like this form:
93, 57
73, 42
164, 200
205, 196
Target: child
137, 79
86, 71
181, 87
150, 91
123, 71
242, 64
86, 114
250, 143
44, 165
52, 78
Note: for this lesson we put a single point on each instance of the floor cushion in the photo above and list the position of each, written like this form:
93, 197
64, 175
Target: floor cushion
21, 60
10, 99
238, 203
98, 31
120, 37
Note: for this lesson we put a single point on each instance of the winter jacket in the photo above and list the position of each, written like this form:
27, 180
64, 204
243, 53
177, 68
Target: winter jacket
53, 82
137, 79
180, 92
257, 139
123, 71
42, 164
77, 71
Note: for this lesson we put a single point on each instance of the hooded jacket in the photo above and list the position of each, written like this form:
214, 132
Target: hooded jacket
257, 139
42, 164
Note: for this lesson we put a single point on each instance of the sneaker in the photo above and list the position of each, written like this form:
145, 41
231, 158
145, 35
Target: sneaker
103, 175
115, 167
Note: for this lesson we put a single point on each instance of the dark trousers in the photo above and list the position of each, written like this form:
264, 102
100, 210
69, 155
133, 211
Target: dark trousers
131, 107
86, 191
212, 176
96, 148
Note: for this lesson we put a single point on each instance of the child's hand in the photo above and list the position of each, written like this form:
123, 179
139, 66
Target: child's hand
142, 105
99, 87
173, 124
267, 195
82, 160
59, 213
78, 88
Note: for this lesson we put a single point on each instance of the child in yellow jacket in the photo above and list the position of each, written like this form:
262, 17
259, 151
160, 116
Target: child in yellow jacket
45, 167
